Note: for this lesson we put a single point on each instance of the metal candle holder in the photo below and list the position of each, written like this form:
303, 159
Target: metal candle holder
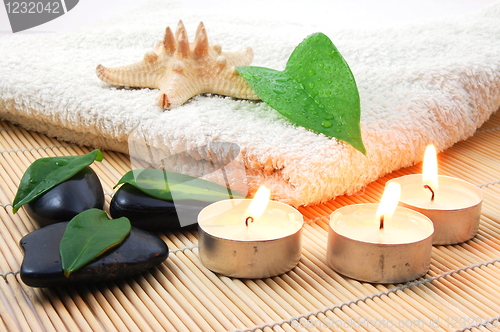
451, 224
378, 262
251, 258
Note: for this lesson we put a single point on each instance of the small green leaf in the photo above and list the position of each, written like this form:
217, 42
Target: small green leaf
169, 186
88, 235
316, 90
46, 173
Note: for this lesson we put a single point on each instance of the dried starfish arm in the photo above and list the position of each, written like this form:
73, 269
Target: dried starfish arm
128, 75
217, 77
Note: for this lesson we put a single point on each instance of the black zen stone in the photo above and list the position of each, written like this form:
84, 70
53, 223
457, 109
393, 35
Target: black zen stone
151, 213
42, 267
63, 202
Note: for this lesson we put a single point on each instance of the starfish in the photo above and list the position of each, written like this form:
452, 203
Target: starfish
182, 70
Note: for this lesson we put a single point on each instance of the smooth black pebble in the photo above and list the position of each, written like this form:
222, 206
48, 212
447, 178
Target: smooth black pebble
63, 202
42, 267
151, 213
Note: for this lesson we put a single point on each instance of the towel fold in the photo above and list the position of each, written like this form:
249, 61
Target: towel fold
434, 82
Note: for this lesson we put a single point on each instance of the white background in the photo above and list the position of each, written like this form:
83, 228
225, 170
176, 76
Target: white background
344, 13
84, 13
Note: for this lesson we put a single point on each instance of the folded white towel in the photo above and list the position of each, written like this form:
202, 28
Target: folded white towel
434, 82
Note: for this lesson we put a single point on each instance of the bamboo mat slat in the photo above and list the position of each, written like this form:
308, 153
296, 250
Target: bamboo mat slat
459, 292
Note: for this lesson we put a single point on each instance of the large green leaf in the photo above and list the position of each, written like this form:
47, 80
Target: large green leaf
46, 173
88, 235
316, 90
169, 186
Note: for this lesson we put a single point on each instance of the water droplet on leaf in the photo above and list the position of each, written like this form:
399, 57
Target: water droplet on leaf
326, 124
282, 80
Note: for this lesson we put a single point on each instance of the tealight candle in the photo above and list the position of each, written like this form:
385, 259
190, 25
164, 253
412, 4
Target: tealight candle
453, 205
382, 243
250, 238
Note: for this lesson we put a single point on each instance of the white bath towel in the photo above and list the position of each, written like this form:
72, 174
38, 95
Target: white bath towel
433, 82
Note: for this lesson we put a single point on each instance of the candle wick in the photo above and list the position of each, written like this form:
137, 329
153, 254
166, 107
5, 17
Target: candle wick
381, 222
248, 219
432, 191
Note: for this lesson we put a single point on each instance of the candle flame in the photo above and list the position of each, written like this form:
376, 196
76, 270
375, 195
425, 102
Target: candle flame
389, 201
430, 168
259, 202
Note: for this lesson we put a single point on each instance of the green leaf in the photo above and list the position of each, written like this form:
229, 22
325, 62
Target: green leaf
169, 186
316, 90
88, 235
46, 173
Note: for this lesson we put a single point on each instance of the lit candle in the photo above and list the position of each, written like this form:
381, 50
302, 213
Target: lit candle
250, 238
453, 205
380, 243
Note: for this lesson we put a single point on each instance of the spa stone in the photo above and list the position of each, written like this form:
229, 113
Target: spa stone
42, 267
81, 192
153, 214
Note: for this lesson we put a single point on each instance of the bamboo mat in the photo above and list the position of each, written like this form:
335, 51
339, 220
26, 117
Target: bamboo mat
460, 290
